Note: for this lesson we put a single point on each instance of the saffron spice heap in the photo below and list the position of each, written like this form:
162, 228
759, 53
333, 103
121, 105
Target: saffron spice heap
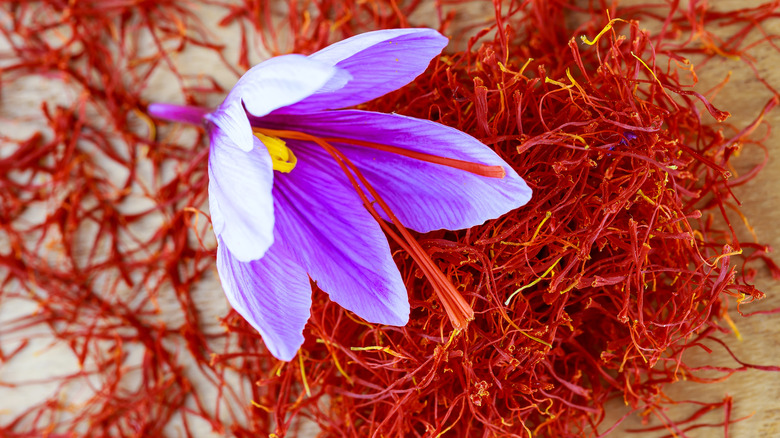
623, 259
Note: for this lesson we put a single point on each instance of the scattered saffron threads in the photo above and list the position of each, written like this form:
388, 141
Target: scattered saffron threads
630, 269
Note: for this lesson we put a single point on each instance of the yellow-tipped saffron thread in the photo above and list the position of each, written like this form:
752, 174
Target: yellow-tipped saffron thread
303, 374
520, 289
458, 310
733, 326
606, 29
328, 345
468, 166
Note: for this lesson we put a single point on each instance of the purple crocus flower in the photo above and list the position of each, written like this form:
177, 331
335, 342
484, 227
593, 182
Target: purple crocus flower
285, 212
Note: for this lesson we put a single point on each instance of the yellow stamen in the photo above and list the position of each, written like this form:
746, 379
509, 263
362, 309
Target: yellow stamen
282, 157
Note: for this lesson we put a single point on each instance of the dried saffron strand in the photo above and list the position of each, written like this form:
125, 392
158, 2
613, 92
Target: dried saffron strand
65, 160
458, 310
466, 166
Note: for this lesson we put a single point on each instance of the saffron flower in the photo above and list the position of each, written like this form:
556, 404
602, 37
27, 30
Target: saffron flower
293, 180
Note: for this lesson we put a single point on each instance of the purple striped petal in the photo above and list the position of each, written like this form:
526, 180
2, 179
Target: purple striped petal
273, 294
424, 196
270, 85
240, 201
379, 62
336, 240
281, 81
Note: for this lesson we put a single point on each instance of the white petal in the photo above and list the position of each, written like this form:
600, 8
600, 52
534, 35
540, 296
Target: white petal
240, 197
279, 82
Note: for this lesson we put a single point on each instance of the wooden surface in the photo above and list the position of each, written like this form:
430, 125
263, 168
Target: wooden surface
754, 393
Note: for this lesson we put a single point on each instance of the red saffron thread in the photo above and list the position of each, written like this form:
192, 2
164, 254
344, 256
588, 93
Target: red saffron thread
467, 166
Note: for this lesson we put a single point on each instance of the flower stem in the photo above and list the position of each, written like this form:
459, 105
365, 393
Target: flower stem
178, 113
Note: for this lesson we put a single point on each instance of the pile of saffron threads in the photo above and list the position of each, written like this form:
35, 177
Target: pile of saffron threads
622, 261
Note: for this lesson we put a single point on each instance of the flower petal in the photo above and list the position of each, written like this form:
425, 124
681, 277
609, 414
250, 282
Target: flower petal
240, 201
270, 85
273, 294
423, 195
233, 125
379, 62
281, 81
339, 243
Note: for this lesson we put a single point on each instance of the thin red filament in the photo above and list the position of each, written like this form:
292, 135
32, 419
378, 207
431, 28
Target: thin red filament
467, 166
